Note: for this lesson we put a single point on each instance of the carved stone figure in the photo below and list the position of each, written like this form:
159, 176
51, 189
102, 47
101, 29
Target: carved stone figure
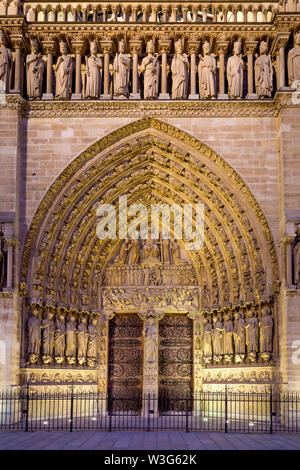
218, 341
134, 252
121, 69
207, 340
34, 336
150, 252
165, 243
34, 71
71, 339
228, 334
5, 63
60, 339
150, 69
239, 337
235, 67
82, 337
94, 66
263, 72
48, 329
207, 73
252, 335
294, 61
63, 73
92, 342
150, 340
2, 261
175, 252
266, 331
180, 73
122, 257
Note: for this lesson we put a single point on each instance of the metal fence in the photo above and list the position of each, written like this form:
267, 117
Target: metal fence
207, 411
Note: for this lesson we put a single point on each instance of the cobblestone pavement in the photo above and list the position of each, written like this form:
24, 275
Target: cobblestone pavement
91, 440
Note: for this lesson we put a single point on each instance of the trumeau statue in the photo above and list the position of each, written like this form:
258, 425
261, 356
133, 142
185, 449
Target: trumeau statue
180, 73
48, 329
266, 331
60, 339
150, 340
63, 72
5, 63
82, 336
121, 70
207, 73
294, 61
34, 71
34, 336
94, 67
263, 72
150, 69
235, 68
71, 339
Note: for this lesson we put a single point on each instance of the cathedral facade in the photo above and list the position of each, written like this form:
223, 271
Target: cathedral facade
168, 104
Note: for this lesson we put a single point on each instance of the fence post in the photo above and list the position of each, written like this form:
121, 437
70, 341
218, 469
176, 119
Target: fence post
226, 410
72, 410
187, 414
27, 408
271, 411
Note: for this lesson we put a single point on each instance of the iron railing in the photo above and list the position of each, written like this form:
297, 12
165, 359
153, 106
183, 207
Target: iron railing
205, 411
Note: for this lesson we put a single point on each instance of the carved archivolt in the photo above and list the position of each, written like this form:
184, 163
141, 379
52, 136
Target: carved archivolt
64, 263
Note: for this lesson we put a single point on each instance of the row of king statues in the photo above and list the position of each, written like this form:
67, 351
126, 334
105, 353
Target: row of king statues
59, 339
121, 71
244, 337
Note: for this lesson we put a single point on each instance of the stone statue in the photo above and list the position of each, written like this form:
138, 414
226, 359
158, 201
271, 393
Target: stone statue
180, 73
34, 336
207, 339
82, 337
207, 73
175, 252
218, 339
150, 341
48, 329
134, 252
121, 69
34, 71
263, 72
150, 252
294, 61
165, 251
2, 261
252, 333
235, 68
5, 63
122, 257
239, 334
266, 331
60, 339
92, 342
150, 69
71, 339
63, 72
228, 334
94, 66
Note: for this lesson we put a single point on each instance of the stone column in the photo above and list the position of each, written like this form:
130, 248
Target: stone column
136, 50
103, 325
78, 47
107, 50
197, 358
250, 47
17, 42
222, 47
49, 49
150, 376
278, 48
193, 48
164, 49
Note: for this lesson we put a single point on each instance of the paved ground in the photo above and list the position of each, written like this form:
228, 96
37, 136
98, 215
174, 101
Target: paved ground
89, 440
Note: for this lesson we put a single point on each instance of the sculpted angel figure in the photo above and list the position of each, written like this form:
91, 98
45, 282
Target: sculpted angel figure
94, 66
34, 71
5, 63
150, 69
207, 73
180, 73
235, 69
121, 70
263, 72
63, 73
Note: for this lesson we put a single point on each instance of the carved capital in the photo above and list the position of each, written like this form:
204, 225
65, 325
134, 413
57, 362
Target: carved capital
17, 42
164, 45
107, 47
250, 47
193, 47
78, 47
49, 47
136, 46
222, 47
280, 41
151, 314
